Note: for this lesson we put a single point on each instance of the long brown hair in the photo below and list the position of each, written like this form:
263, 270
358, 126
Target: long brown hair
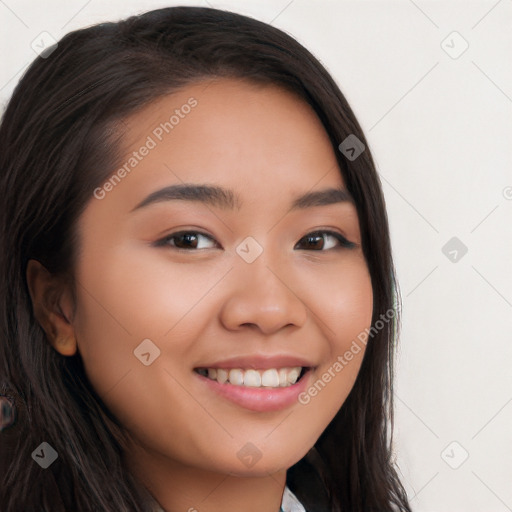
59, 140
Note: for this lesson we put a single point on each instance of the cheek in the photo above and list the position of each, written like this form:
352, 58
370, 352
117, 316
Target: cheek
351, 311
343, 300
125, 297
345, 306
144, 296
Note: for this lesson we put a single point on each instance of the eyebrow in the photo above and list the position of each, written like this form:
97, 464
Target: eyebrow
227, 200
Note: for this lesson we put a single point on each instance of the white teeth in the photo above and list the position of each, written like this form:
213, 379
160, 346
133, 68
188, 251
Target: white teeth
293, 375
222, 376
283, 377
271, 378
252, 378
236, 377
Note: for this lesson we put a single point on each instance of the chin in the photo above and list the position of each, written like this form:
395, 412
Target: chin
264, 466
259, 471
245, 464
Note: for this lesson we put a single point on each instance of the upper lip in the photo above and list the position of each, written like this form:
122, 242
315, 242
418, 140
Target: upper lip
259, 362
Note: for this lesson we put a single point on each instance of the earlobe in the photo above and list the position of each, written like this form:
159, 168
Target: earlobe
52, 307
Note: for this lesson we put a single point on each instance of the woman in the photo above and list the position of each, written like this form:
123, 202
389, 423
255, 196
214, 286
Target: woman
198, 295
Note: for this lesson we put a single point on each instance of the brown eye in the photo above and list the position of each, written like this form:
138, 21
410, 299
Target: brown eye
325, 240
186, 240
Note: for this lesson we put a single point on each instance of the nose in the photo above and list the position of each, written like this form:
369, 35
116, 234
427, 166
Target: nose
262, 296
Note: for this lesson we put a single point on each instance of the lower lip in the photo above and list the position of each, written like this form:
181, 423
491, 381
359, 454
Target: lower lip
259, 399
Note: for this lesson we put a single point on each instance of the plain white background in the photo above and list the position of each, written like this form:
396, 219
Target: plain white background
438, 117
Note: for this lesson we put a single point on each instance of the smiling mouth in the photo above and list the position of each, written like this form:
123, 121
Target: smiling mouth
268, 378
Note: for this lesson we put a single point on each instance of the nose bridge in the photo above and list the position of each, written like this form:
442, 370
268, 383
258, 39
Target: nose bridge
263, 278
261, 293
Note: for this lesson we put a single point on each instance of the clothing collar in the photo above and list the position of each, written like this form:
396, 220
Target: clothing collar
289, 503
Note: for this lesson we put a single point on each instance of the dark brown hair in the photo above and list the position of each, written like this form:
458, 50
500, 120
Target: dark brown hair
59, 140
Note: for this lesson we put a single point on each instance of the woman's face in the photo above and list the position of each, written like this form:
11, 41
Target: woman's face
259, 281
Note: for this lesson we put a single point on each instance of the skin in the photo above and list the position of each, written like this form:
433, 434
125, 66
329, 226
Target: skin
205, 304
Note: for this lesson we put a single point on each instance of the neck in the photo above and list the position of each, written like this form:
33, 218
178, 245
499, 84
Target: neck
178, 488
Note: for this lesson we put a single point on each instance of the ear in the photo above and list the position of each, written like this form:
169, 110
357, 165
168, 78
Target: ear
53, 307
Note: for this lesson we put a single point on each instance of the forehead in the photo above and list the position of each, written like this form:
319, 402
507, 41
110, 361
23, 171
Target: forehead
260, 139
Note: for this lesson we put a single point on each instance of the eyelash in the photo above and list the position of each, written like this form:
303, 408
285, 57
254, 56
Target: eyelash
343, 242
